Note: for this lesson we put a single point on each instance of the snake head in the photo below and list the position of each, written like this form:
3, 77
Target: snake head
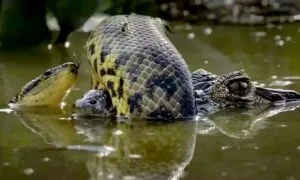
49, 88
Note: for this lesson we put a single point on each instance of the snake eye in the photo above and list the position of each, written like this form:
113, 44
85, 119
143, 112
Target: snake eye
239, 87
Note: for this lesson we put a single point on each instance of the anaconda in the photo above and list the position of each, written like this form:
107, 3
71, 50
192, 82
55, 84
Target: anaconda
137, 71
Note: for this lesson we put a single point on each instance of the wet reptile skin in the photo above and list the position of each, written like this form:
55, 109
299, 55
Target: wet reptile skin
132, 58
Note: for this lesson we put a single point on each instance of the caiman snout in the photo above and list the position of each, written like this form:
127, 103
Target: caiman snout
276, 95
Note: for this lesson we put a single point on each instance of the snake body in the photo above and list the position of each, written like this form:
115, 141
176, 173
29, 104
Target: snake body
132, 58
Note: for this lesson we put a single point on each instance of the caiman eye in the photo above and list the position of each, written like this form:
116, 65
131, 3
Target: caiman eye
239, 87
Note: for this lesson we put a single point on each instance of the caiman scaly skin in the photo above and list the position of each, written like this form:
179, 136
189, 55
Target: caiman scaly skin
132, 58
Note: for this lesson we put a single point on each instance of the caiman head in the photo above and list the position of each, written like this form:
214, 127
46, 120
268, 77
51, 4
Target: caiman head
236, 89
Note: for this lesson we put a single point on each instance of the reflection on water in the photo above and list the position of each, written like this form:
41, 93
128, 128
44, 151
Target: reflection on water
233, 143
245, 123
117, 150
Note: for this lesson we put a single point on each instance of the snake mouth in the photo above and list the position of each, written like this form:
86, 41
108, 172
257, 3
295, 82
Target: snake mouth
277, 96
49, 88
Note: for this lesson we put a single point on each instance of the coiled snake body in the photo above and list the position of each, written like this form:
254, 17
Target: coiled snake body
145, 75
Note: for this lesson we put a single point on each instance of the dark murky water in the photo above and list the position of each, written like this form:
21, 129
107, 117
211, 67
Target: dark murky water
235, 144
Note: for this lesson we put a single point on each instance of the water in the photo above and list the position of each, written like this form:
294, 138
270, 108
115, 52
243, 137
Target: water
231, 144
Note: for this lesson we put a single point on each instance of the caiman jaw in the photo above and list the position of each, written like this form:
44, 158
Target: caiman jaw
275, 96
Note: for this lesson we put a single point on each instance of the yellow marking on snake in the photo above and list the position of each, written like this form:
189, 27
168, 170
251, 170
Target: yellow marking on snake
100, 81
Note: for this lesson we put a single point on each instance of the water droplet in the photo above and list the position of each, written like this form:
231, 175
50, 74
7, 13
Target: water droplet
49, 46
15, 150
205, 62
135, 156
279, 43
67, 44
188, 27
283, 125
79, 132
28, 171
207, 31
270, 26
211, 16
274, 77
191, 35
277, 37
186, 13
118, 132
46, 159
223, 173
164, 7
290, 178
110, 176
264, 2
198, 2
225, 147
288, 38
6, 164
100, 173
259, 34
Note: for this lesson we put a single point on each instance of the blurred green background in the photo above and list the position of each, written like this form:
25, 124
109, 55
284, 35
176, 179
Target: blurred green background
24, 23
